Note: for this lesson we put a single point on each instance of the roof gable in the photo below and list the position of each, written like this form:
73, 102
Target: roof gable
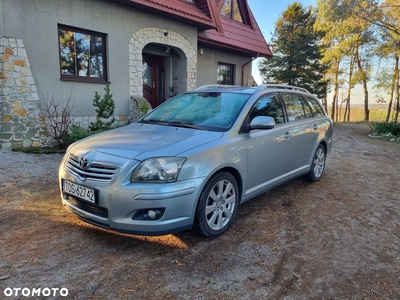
242, 6
243, 37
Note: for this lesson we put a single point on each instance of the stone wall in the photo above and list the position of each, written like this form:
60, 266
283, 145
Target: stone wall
159, 36
85, 121
21, 122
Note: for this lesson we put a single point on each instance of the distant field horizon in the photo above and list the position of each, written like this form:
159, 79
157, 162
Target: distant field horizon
373, 105
377, 112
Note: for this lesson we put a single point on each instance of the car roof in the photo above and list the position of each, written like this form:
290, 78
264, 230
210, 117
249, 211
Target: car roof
250, 90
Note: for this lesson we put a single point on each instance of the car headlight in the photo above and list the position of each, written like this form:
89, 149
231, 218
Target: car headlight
158, 169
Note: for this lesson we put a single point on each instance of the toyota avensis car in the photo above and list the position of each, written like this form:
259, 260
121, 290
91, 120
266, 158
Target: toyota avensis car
190, 162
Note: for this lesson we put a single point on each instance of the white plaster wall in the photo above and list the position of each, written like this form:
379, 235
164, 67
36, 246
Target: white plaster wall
35, 23
207, 65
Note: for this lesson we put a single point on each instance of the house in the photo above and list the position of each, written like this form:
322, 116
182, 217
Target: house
65, 51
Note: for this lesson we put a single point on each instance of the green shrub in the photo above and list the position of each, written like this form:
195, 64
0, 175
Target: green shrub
105, 111
105, 118
77, 133
385, 129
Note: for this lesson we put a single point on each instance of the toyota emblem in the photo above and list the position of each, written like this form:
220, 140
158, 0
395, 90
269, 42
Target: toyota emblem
83, 162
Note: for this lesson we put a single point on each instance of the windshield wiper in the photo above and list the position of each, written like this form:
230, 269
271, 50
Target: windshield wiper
172, 123
183, 124
151, 121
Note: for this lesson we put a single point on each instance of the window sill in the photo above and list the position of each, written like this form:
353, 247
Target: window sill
87, 80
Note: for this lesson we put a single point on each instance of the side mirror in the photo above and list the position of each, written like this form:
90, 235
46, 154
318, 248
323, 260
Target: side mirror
262, 122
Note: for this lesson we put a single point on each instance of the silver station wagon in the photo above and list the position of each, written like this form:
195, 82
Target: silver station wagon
190, 162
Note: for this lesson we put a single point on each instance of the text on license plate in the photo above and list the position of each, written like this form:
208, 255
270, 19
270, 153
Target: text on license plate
79, 191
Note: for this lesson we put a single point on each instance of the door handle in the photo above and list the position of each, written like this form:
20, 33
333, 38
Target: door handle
154, 85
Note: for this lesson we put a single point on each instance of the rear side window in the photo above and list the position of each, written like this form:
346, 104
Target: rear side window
296, 108
316, 107
268, 106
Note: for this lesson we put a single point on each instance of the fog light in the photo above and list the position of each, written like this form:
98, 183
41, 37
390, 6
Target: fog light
152, 214
149, 214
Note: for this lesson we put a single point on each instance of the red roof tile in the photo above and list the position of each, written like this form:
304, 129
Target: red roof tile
243, 37
182, 10
215, 30
180, 6
240, 37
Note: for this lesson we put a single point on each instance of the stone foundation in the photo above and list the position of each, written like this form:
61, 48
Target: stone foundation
84, 121
21, 122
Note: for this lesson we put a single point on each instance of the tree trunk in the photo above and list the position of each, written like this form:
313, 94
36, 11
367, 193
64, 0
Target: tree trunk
325, 99
346, 117
335, 91
366, 109
347, 109
365, 86
394, 80
396, 119
337, 106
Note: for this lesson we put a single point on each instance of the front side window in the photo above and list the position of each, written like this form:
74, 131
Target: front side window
82, 54
231, 10
225, 74
268, 106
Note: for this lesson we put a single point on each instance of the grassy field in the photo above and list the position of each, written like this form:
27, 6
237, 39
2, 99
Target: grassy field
377, 113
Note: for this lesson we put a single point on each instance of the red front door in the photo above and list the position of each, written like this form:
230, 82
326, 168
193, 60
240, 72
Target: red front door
153, 79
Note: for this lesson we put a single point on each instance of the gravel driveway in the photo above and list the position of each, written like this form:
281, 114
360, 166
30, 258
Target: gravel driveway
335, 239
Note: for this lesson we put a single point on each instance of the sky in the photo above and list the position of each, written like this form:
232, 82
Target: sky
267, 12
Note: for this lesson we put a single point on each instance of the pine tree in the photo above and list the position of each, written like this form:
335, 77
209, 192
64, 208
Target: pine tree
297, 52
105, 110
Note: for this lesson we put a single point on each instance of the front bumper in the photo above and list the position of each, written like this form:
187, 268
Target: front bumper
122, 206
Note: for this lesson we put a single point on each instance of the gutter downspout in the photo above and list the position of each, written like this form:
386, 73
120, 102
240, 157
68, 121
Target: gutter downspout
252, 59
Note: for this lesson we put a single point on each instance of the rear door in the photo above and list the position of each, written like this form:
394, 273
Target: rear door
303, 131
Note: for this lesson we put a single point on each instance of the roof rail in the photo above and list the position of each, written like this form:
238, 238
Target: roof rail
215, 86
282, 86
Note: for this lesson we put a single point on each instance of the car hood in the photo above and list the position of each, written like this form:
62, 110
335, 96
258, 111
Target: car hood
140, 141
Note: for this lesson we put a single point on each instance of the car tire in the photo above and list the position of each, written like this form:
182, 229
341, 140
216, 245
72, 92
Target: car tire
317, 165
217, 205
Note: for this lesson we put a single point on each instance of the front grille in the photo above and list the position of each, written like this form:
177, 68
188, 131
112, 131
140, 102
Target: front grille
88, 207
95, 171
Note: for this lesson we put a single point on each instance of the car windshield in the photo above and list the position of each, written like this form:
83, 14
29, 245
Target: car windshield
201, 110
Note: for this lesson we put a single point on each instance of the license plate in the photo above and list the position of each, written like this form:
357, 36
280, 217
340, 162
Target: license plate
79, 191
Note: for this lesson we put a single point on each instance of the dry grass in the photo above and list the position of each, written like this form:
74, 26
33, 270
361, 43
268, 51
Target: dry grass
377, 113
